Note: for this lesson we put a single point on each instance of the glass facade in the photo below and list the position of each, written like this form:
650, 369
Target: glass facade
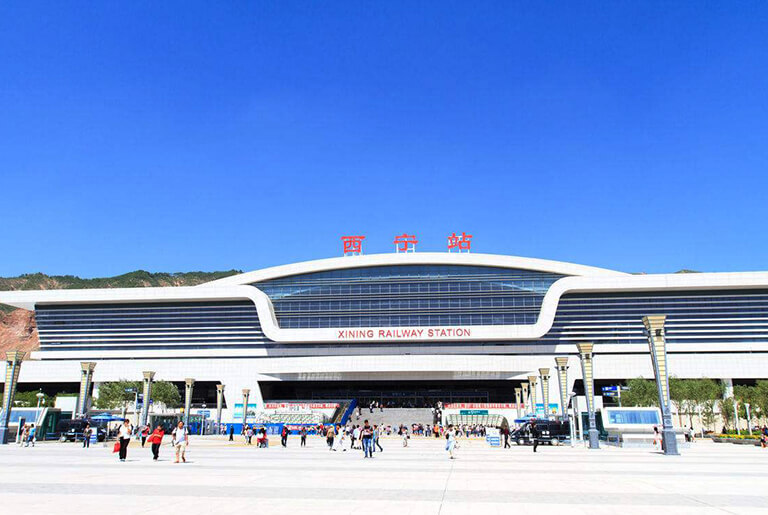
155, 325
408, 295
692, 317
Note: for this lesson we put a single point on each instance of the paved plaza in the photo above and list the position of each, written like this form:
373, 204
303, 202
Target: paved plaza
222, 477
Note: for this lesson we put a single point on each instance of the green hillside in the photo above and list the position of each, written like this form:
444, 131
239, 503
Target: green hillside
137, 279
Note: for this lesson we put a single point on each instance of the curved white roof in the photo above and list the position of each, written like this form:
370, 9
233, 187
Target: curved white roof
414, 258
579, 279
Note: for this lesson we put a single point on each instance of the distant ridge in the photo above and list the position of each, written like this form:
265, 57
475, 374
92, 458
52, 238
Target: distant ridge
137, 279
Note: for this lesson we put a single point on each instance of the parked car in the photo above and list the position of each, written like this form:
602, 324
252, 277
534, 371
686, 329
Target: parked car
550, 432
72, 430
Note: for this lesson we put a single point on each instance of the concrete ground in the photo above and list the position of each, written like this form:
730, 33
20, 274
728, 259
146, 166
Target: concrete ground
222, 477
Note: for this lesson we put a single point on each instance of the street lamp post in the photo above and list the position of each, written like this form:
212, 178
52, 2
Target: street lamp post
219, 405
517, 400
544, 374
13, 361
202, 425
189, 384
561, 363
736, 415
525, 387
532, 381
149, 377
657, 343
585, 353
40, 396
246, 394
84, 397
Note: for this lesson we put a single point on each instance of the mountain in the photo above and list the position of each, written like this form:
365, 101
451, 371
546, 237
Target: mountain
17, 326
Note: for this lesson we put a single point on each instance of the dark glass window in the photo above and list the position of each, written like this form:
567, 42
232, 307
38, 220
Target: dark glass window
405, 295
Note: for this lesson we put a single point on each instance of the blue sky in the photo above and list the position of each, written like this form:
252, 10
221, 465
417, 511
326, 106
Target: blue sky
193, 136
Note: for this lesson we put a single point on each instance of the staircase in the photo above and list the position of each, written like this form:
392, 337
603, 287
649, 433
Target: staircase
393, 416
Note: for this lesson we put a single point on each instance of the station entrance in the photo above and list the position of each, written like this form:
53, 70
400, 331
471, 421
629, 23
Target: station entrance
393, 394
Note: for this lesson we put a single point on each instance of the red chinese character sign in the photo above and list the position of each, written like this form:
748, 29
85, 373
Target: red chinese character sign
460, 243
405, 243
353, 245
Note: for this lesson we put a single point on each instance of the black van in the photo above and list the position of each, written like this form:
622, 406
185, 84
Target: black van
72, 430
550, 432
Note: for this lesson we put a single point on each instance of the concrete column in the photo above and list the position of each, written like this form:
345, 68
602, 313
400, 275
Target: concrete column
149, 376
526, 403
518, 401
544, 376
532, 381
219, 405
189, 384
84, 398
246, 393
585, 353
657, 342
12, 366
561, 363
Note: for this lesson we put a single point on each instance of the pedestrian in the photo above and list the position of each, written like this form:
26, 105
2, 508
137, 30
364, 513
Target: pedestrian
87, 432
31, 435
144, 434
376, 434
232, 433
180, 441
248, 435
534, 435
155, 439
505, 432
262, 442
303, 434
404, 433
354, 435
342, 441
329, 436
284, 436
366, 435
656, 437
450, 444
124, 438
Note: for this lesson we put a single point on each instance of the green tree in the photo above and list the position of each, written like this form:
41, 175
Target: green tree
29, 400
761, 399
705, 394
747, 394
120, 394
117, 394
726, 411
679, 396
166, 393
640, 392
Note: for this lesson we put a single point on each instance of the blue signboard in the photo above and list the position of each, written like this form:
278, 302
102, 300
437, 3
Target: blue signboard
553, 409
